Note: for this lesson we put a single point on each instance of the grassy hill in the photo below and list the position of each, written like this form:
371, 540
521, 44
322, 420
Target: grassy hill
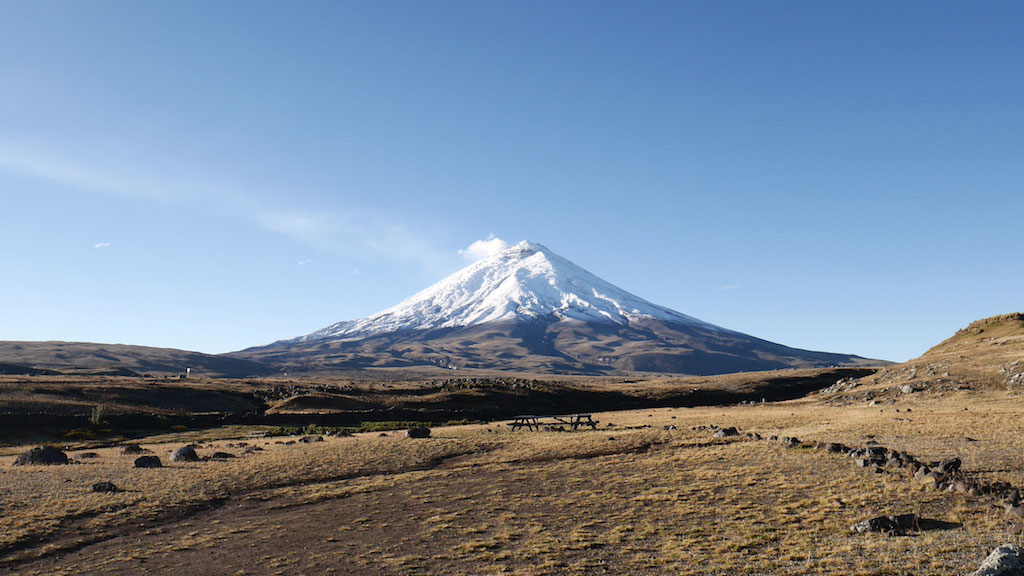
986, 355
118, 359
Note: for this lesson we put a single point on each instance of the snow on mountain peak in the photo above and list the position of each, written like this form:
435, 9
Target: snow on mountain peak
524, 282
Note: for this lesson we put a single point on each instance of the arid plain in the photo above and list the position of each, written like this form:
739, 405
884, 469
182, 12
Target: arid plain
650, 491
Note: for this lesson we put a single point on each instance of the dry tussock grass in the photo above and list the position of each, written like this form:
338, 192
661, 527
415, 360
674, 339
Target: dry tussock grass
485, 500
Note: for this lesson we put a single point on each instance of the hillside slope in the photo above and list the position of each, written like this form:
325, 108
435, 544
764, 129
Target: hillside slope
987, 354
121, 359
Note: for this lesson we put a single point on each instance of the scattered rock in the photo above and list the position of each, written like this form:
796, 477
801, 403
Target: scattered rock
42, 455
383, 434
900, 524
888, 524
1016, 512
148, 462
185, 454
222, 456
949, 465
835, 448
135, 449
418, 432
1013, 498
1007, 560
726, 432
105, 487
960, 487
311, 439
87, 456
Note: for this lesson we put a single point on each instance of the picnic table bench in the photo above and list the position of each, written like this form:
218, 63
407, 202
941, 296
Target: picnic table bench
577, 421
525, 421
574, 421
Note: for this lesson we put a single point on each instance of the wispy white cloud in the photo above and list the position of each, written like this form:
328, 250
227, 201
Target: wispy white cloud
356, 232
730, 287
355, 271
483, 248
22, 158
350, 231
101, 245
304, 262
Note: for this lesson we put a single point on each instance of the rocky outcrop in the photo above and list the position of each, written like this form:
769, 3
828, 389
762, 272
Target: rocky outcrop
1007, 560
185, 454
148, 462
42, 455
105, 487
418, 432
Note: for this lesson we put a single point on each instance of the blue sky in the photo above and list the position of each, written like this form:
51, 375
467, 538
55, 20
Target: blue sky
838, 176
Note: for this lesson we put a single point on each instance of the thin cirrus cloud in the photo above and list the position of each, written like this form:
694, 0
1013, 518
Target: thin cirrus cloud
355, 233
729, 287
101, 245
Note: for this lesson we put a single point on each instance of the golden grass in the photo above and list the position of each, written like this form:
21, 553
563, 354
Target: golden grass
986, 355
484, 500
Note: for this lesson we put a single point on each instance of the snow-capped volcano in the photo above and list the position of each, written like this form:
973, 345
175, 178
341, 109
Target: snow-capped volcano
524, 282
526, 308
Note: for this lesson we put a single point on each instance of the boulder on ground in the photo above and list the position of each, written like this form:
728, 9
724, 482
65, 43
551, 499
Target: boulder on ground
134, 449
791, 442
726, 432
221, 456
86, 456
44, 455
105, 487
184, 454
148, 462
311, 439
889, 524
950, 465
418, 432
1007, 560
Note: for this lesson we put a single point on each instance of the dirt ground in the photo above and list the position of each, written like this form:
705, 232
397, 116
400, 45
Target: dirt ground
647, 495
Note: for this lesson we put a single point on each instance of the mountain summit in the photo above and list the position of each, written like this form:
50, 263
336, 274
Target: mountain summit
527, 308
526, 282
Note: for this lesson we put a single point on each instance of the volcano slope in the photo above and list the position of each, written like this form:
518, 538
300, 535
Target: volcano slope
527, 309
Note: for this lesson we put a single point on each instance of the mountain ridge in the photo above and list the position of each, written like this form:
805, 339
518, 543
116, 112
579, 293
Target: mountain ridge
526, 281
527, 308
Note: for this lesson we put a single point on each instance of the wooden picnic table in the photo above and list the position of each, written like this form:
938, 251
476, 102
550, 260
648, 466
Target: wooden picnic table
532, 422
525, 421
578, 420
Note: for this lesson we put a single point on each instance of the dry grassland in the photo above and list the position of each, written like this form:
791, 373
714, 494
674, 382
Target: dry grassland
634, 498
